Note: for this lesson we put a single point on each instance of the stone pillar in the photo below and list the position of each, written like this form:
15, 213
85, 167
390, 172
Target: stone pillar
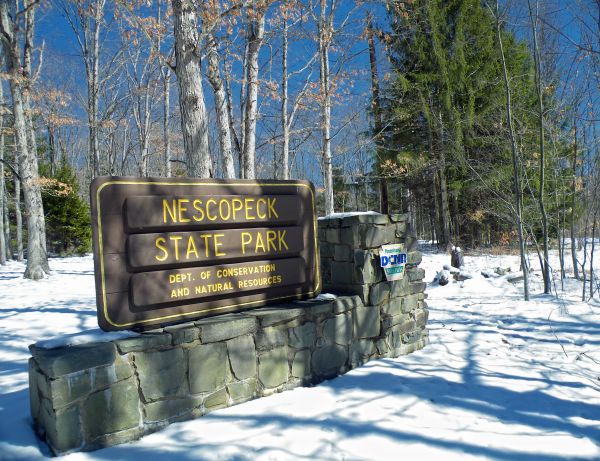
350, 264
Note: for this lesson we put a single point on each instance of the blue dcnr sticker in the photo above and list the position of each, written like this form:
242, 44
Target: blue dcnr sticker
393, 261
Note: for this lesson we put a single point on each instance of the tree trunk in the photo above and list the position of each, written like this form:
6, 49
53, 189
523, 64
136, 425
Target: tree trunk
2, 197
444, 206
325, 31
376, 108
166, 114
256, 31
18, 218
282, 161
538, 81
223, 124
592, 277
37, 262
573, 197
516, 176
7, 242
194, 122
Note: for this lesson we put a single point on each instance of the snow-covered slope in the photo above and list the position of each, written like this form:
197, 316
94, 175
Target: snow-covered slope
501, 379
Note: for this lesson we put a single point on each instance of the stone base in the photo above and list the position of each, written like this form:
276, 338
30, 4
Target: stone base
97, 395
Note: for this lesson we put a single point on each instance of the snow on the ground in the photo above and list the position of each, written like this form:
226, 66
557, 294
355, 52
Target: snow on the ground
502, 379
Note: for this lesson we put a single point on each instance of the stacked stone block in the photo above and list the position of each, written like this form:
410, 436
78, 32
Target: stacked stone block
95, 395
350, 263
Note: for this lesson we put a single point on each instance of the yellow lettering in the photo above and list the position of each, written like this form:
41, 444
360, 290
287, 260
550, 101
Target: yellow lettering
272, 211
246, 240
234, 202
176, 239
258, 203
218, 244
259, 243
181, 208
271, 236
206, 237
197, 204
160, 242
167, 209
281, 239
191, 247
248, 202
221, 214
207, 208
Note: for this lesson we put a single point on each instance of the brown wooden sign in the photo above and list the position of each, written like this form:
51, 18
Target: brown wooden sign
177, 249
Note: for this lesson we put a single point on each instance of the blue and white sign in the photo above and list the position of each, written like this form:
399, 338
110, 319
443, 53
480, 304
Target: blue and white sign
393, 261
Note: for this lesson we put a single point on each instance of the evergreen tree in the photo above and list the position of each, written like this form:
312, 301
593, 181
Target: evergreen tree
68, 225
448, 132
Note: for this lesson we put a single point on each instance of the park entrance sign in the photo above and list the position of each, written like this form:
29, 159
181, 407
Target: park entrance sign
174, 249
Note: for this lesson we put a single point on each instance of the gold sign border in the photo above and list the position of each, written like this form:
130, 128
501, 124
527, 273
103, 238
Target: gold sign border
167, 317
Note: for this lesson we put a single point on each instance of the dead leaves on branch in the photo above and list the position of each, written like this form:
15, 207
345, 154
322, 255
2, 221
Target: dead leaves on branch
54, 187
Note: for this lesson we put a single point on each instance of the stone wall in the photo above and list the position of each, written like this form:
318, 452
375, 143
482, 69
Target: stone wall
90, 396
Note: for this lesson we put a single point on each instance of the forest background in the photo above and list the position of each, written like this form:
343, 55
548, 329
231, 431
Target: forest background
476, 117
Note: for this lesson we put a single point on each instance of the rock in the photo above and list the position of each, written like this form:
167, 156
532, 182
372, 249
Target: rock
161, 373
143, 342
242, 390
442, 278
451, 269
328, 360
301, 364
207, 367
456, 258
273, 367
366, 322
63, 428
515, 277
66, 360
346, 303
302, 336
338, 329
242, 356
225, 327
111, 410
462, 276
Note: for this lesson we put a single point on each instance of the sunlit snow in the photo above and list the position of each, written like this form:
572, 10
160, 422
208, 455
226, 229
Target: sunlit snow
502, 379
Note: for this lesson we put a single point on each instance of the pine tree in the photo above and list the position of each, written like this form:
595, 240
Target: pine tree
68, 224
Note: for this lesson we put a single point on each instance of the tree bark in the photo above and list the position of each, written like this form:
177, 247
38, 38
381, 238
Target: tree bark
37, 261
516, 176
539, 90
325, 33
194, 122
282, 161
2, 197
256, 31
444, 206
573, 202
376, 108
223, 122
7, 242
166, 75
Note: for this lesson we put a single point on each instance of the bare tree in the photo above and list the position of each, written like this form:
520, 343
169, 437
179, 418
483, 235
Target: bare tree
86, 18
539, 90
10, 34
515, 161
2, 197
255, 36
223, 121
325, 36
194, 119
